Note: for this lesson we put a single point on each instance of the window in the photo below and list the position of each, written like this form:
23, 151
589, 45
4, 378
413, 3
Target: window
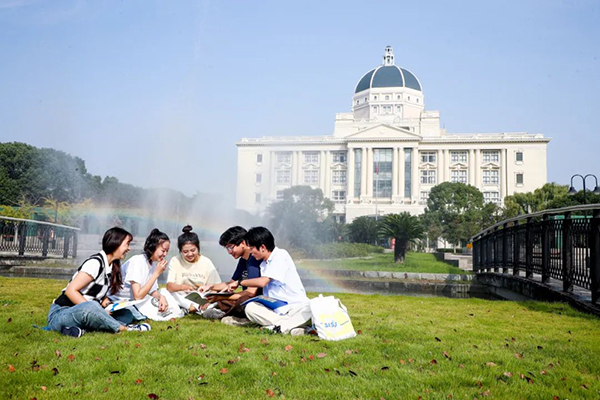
382, 172
491, 156
311, 157
357, 171
490, 177
423, 197
428, 177
458, 175
284, 157
428, 157
407, 172
458, 156
259, 158
338, 177
374, 97
519, 156
375, 109
311, 176
519, 179
398, 109
399, 97
257, 198
338, 196
279, 195
408, 98
339, 157
417, 99
386, 109
258, 179
387, 97
357, 102
283, 176
491, 197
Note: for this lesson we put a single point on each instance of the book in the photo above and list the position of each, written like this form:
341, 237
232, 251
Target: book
201, 298
268, 302
122, 304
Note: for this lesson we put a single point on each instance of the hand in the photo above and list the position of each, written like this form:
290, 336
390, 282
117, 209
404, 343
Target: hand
204, 288
203, 307
187, 288
232, 286
161, 267
162, 304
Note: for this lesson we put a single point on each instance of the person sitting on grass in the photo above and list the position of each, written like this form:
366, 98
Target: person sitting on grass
190, 270
81, 305
280, 281
140, 279
248, 268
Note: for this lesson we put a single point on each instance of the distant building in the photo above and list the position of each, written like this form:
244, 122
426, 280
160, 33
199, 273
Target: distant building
386, 155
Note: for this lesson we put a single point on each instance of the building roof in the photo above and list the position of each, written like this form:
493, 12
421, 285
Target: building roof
388, 76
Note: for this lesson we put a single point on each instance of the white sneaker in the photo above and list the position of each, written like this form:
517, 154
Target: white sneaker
139, 328
213, 313
298, 332
236, 321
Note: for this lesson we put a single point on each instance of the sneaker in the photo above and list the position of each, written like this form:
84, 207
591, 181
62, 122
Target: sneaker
213, 313
298, 332
139, 328
236, 321
72, 331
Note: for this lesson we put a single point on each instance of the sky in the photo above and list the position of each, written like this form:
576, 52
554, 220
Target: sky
157, 93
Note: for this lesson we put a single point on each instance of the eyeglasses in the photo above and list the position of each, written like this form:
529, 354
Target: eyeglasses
230, 248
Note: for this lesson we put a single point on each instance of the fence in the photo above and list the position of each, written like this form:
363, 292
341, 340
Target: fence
26, 237
562, 244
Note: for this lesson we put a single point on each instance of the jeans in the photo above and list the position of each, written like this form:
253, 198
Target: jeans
128, 315
88, 315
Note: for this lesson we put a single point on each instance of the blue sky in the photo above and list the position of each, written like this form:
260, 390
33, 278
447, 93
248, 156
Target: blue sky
156, 93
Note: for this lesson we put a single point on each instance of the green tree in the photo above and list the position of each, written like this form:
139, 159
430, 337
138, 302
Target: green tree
297, 218
363, 230
405, 229
548, 196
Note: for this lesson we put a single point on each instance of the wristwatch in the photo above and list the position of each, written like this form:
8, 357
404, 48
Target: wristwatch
239, 281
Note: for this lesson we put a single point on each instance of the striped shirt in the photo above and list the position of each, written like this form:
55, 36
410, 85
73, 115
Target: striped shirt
96, 267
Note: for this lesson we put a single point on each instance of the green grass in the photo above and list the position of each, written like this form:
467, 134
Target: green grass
491, 349
415, 262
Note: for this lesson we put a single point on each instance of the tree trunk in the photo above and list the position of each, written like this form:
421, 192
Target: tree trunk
400, 251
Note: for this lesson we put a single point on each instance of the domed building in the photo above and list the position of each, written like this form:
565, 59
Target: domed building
387, 153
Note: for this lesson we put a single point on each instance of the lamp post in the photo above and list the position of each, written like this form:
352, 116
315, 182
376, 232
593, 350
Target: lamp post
572, 190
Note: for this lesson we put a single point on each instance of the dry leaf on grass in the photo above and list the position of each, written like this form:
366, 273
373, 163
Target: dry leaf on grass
288, 347
270, 393
321, 355
11, 368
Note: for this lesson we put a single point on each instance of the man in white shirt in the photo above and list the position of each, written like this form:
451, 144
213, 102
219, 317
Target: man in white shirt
279, 280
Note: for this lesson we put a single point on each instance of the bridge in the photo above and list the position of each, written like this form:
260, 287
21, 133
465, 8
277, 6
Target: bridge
548, 255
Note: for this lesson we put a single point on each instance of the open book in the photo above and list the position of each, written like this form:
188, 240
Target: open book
268, 302
122, 304
201, 298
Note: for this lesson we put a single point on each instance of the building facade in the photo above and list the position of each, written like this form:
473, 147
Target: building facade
386, 155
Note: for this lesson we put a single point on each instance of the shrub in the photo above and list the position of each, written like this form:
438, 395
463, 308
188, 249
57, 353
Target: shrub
343, 250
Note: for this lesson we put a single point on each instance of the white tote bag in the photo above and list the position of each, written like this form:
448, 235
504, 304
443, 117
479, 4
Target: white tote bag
331, 319
150, 308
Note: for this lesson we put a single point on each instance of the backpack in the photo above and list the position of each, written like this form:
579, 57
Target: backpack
330, 319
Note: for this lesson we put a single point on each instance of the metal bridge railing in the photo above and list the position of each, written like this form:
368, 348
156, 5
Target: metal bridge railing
562, 244
24, 237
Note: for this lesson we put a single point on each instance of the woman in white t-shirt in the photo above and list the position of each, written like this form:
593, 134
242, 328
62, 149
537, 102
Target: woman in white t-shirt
140, 279
190, 270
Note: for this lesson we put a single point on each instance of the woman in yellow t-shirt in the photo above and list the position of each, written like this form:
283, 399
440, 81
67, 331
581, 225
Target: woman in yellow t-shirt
189, 270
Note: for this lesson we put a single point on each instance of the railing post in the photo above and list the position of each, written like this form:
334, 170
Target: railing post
495, 248
595, 255
45, 240
22, 232
546, 249
74, 244
516, 248
504, 248
66, 240
567, 250
529, 248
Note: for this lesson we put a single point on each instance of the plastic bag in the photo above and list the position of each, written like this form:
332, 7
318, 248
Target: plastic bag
330, 318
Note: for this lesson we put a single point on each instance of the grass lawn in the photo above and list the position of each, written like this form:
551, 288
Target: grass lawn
408, 347
415, 262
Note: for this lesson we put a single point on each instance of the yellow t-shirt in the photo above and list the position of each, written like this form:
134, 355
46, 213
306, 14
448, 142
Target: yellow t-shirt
202, 272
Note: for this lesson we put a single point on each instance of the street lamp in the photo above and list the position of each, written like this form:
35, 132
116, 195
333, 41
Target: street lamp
572, 190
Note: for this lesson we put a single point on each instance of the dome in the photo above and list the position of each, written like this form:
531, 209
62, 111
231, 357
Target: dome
388, 75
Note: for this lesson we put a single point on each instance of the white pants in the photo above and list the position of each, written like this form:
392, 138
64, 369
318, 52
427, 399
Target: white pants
297, 315
180, 299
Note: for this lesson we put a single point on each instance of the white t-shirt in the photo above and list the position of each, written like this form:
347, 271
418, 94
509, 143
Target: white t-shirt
285, 283
137, 269
202, 272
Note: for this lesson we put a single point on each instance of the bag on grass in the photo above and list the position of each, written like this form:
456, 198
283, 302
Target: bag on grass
331, 319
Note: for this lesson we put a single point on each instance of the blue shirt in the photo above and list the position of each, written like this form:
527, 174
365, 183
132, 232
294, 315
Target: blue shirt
247, 269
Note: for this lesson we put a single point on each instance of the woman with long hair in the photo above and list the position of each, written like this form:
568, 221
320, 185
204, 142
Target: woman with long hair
189, 270
140, 280
81, 306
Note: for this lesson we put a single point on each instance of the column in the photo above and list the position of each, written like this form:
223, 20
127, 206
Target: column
441, 169
401, 172
363, 172
471, 163
394, 172
477, 168
350, 173
327, 163
294, 169
323, 167
501, 173
369, 172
